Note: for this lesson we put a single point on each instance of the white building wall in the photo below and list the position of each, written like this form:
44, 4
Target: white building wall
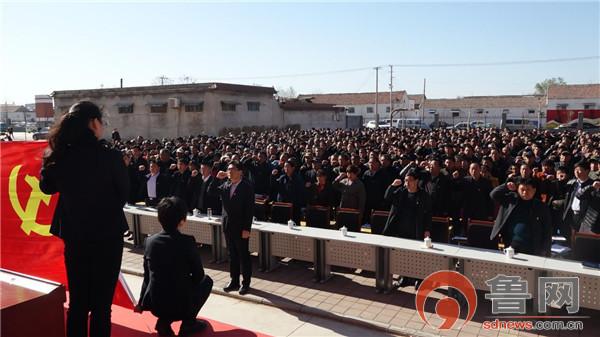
314, 119
573, 104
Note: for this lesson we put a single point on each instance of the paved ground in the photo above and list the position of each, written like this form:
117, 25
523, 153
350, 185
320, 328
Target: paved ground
349, 297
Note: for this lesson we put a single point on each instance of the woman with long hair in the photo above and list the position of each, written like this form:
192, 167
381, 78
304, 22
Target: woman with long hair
93, 184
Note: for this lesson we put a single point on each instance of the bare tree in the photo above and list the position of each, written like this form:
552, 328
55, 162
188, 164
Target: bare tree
289, 92
162, 80
185, 79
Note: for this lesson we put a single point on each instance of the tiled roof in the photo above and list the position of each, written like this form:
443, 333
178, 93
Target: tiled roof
173, 88
354, 98
482, 102
303, 105
574, 91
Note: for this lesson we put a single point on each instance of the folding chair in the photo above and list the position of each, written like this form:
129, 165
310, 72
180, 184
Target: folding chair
586, 247
281, 212
478, 234
348, 217
378, 221
260, 209
440, 229
317, 216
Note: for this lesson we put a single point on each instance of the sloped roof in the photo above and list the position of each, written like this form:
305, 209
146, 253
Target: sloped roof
354, 98
482, 102
574, 91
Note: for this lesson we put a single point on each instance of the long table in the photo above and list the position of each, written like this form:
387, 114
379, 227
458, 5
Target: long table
386, 256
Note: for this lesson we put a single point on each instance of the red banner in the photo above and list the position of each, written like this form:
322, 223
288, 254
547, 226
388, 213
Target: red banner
26, 214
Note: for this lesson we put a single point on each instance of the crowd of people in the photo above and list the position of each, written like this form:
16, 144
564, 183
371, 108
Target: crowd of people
533, 183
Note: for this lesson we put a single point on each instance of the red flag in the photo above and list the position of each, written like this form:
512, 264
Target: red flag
27, 245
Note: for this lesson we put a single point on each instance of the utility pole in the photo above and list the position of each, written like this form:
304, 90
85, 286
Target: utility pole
376, 97
423, 102
391, 91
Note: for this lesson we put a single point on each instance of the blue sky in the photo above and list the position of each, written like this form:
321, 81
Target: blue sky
58, 46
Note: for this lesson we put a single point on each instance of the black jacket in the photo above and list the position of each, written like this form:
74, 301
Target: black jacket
163, 186
325, 197
172, 266
397, 196
180, 186
94, 185
540, 219
375, 185
568, 201
591, 218
238, 210
475, 198
200, 197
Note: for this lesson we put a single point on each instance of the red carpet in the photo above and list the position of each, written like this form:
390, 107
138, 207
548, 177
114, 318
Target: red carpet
126, 323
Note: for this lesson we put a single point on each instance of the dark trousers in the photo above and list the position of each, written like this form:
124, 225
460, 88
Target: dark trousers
239, 255
198, 297
92, 274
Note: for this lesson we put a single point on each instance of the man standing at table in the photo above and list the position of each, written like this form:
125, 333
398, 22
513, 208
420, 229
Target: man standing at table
237, 196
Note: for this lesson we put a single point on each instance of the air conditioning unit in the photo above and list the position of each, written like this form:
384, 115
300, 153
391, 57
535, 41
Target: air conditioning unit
174, 102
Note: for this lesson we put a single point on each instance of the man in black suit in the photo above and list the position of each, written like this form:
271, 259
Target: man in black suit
523, 221
574, 209
237, 196
180, 181
175, 286
410, 215
200, 198
591, 220
474, 195
153, 186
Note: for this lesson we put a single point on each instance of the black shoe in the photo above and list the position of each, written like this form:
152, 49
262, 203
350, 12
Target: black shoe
244, 290
188, 328
231, 287
163, 328
401, 283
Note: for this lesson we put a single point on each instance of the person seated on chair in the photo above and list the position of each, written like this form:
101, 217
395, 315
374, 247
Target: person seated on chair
523, 221
175, 286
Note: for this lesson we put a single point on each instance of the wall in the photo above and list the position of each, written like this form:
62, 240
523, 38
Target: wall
314, 119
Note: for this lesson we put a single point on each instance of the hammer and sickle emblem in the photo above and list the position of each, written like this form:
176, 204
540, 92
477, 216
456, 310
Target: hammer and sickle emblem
29, 214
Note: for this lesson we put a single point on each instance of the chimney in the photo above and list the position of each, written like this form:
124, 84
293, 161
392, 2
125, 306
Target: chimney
121, 83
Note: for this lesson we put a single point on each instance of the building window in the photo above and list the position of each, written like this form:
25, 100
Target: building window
160, 107
531, 111
253, 106
589, 106
387, 109
455, 113
350, 110
505, 111
228, 106
126, 108
431, 111
369, 109
194, 107
417, 106
562, 106
479, 111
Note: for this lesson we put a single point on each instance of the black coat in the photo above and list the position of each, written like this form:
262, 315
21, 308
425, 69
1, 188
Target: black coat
180, 186
238, 210
172, 267
325, 197
475, 198
375, 184
440, 193
163, 186
397, 196
200, 197
591, 218
94, 185
540, 219
568, 201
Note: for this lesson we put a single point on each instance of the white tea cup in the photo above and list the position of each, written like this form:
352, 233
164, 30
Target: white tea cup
509, 252
344, 230
428, 243
291, 224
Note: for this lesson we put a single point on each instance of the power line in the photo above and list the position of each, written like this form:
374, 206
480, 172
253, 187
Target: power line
413, 65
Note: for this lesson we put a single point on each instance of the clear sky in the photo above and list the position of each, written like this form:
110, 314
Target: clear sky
59, 46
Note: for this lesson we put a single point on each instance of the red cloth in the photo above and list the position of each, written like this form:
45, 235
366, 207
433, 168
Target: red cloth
27, 246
